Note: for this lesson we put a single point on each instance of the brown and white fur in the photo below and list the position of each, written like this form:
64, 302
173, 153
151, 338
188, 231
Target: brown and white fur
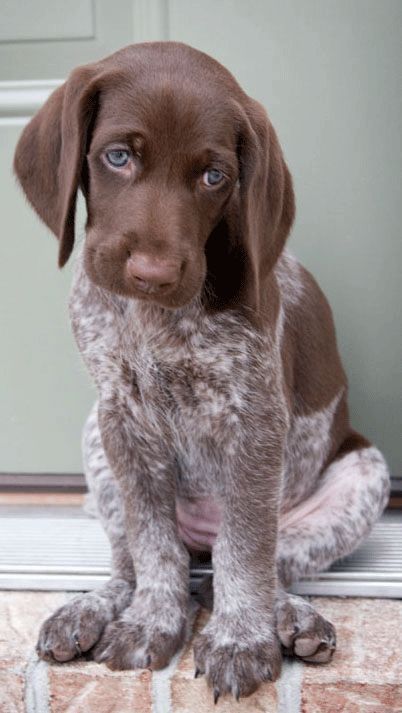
222, 421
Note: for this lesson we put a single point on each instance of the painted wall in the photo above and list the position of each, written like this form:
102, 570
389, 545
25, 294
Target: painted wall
329, 74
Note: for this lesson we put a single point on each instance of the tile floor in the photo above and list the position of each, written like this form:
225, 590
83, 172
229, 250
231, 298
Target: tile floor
365, 675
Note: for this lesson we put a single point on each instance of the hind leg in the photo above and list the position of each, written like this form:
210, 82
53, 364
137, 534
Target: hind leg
78, 625
330, 524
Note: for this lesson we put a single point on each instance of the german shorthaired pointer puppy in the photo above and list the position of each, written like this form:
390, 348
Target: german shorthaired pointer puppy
222, 420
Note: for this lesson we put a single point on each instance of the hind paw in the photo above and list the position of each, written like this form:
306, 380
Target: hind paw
302, 631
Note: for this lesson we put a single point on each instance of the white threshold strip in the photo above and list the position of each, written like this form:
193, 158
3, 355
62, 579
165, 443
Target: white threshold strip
70, 551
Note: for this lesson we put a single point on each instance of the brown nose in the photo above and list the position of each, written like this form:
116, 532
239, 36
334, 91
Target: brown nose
150, 274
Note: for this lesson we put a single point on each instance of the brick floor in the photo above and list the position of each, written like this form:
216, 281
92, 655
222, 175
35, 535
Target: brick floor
78, 688
365, 675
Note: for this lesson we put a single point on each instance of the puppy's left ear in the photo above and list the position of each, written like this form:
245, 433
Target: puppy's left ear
267, 204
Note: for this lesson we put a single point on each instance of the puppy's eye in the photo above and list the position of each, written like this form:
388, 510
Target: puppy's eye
118, 158
212, 177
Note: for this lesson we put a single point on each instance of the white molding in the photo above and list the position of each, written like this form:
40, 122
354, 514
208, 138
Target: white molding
21, 99
150, 20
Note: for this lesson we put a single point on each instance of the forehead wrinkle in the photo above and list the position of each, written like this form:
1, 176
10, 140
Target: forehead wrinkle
114, 133
171, 110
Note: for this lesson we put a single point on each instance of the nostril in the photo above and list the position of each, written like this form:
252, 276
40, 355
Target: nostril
149, 273
142, 285
140, 282
150, 286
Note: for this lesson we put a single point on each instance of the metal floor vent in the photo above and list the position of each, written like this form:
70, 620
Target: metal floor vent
54, 548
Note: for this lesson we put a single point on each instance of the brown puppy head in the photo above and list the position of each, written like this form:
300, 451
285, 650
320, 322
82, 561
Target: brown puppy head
186, 189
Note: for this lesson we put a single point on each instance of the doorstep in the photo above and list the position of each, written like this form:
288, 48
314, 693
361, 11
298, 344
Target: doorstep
365, 675
59, 547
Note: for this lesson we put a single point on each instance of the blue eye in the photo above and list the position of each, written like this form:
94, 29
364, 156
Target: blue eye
212, 177
118, 157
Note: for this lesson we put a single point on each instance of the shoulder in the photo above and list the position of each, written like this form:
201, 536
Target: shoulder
97, 316
300, 291
86, 298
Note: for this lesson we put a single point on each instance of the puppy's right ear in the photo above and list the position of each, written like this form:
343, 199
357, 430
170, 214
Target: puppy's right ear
50, 154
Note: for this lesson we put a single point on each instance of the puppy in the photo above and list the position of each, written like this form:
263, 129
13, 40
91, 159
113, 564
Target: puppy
222, 421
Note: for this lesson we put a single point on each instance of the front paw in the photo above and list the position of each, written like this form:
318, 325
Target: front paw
138, 641
236, 658
75, 627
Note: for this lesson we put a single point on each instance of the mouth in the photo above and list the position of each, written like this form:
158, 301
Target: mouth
165, 290
168, 298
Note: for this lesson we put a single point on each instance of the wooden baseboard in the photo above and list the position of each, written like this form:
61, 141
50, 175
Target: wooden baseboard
42, 482
74, 483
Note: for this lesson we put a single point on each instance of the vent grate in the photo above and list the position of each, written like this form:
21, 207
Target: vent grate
62, 549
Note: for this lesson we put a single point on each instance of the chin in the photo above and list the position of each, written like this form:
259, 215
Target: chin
173, 301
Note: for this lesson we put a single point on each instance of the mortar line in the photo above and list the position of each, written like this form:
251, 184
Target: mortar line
36, 692
161, 698
289, 686
161, 693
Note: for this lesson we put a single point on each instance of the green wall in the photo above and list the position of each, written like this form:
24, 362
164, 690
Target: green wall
329, 74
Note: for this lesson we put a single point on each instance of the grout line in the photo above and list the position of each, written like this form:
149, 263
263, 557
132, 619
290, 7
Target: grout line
36, 686
289, 686
161, 698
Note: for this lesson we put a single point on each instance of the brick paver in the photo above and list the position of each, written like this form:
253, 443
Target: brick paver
92, 688
365, 675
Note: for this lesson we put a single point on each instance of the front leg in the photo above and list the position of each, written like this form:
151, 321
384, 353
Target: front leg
152, 628
238, 648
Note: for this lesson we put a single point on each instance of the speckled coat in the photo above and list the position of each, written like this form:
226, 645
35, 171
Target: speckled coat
221, 422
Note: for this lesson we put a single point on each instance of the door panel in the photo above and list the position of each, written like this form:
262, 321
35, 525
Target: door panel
43, 21
329, 75
46, 39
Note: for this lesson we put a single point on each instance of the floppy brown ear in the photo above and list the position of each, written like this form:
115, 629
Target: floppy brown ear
267, 205
50, 154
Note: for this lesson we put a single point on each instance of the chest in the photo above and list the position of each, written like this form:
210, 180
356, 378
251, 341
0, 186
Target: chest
196, 380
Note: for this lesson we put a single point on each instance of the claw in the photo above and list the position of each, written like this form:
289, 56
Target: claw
46, 655
216, 695
236, 693
103, 656
148, 661
42, 651
329, 643
197, 672
77, 645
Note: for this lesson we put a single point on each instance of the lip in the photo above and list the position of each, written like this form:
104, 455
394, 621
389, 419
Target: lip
170, 298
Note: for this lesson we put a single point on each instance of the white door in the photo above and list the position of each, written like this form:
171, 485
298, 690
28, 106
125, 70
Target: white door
330, 75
